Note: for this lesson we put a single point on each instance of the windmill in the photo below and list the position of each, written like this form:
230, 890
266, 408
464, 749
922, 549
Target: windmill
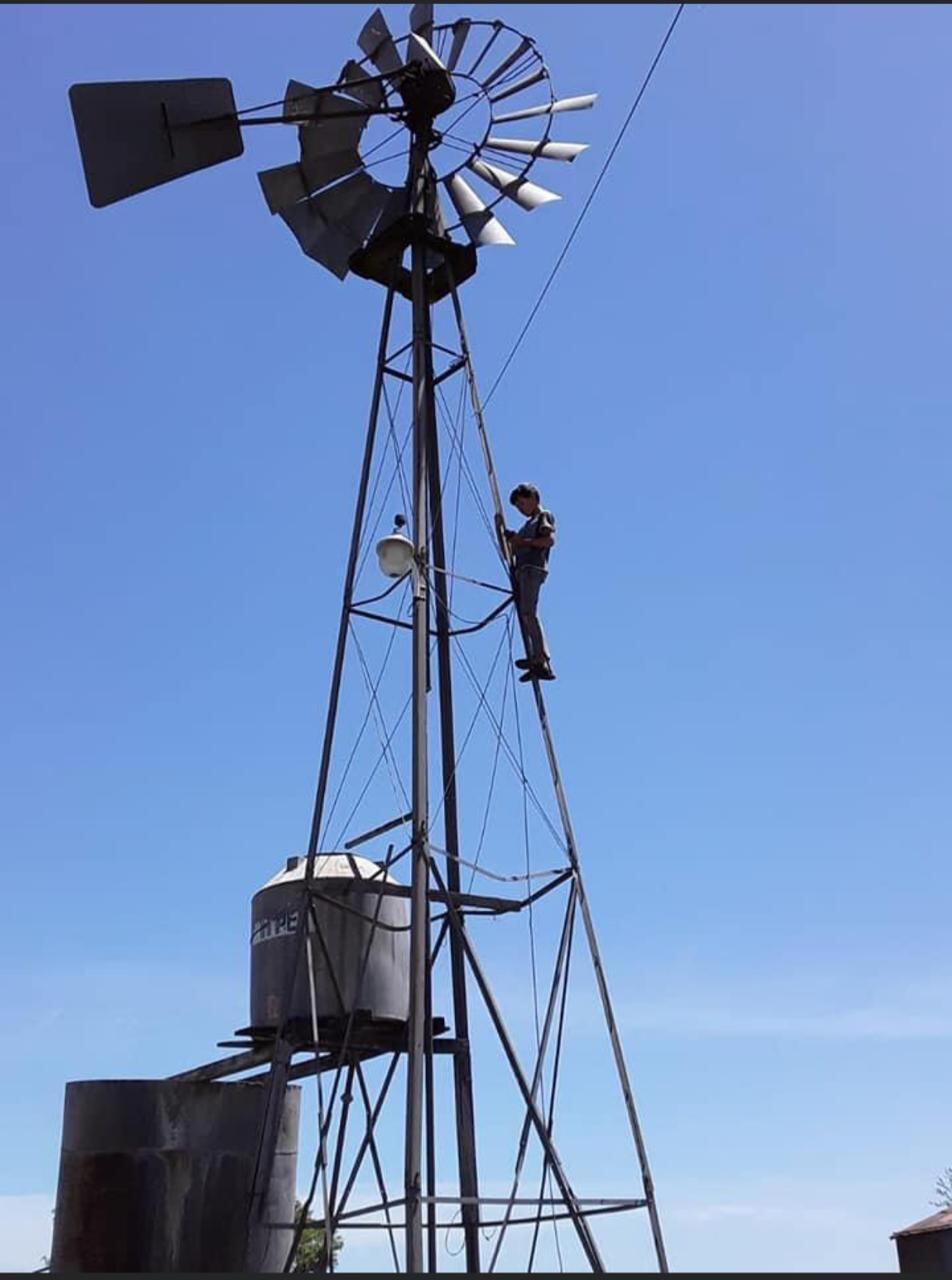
349, 965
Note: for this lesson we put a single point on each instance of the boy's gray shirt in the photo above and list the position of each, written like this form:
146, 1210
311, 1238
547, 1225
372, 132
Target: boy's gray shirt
537, 526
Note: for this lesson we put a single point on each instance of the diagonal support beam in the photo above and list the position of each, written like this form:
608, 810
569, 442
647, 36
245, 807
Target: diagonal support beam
278, 1075
602, 984
586, 1238
378, 1166
562, 962
367, 1142
571, 847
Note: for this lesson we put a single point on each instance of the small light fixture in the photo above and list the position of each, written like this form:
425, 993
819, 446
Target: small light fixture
395, 552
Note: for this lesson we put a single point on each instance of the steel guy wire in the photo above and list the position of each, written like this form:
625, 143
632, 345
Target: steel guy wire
469, 733
353, 753
585, 208
492, 777
511, 757
382, 725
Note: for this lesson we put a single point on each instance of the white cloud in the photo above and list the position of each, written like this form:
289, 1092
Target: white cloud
746, 1019
774, 1224
780, 1215
26, 1225
796, 1233
786, 1008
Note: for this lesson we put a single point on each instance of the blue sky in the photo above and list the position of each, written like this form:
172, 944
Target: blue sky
736, 399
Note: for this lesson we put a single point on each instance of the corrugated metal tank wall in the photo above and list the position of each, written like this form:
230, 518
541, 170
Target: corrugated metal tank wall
156, 1175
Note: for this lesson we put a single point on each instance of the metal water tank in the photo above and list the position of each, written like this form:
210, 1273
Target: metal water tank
345, 906
156, 1175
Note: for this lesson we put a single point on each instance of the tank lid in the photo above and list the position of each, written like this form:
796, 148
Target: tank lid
330, 866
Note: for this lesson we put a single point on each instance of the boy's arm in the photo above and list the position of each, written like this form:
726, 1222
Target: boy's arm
546, 538
545, 529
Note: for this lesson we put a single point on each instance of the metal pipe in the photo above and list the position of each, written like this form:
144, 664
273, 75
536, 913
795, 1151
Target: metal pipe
338, 115
323, 1119
368, 1140
329, 1224
628, 1207
430, 1084
504, 551
378, 831
419, 941
462, 1060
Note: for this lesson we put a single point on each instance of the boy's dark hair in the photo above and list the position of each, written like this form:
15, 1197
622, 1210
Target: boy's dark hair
524, 491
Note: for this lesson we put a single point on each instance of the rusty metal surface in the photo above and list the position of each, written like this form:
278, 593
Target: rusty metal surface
941, 1221
155, 1175
925, 1252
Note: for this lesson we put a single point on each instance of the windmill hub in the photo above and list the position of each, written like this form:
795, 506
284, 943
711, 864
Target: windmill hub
427, 91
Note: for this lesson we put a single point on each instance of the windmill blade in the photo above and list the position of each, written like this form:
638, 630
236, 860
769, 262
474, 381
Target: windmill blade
330, 126
549, 108
138, 134
566, 151
332, 249
376, 42
329, 135
421, 20
329, 144
331, 226
371, 95
323, 167
433, 257
354, 206
322, 106
418, 50
460, 32
300, 100
283, 186
397, 204
520, 50
518, 87
439, 218
289, 183
526, 194
480, 225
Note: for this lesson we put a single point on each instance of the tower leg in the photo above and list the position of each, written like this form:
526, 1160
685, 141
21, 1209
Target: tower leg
462, 1060
617, 1051
602, 983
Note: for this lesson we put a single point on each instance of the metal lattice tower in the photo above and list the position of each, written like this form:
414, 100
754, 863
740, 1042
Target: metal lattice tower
136, 135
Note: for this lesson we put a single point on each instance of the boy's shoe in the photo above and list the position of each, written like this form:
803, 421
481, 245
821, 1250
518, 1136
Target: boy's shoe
524, 664
540, 672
